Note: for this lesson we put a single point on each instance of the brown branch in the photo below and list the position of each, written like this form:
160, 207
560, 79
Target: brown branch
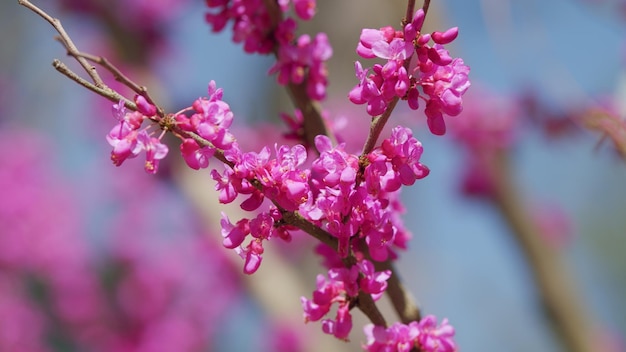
403, 302
410, 8
314, 124
122, 78
67, 42
103, 91
554, 282
117, 73
426, 6
366, 304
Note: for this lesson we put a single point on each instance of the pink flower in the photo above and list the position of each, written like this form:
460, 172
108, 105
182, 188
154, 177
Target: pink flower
372, 282
425, 336
397, 338
195, 157
433, 338
123, 139
155, 151
234, 235
442, 79
144, 107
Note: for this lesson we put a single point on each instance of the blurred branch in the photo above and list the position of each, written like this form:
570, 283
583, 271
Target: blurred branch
314, 124
555, 285
610, 126
403, 302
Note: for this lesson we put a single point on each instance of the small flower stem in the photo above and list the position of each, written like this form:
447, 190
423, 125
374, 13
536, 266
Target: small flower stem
553, 281
376, 127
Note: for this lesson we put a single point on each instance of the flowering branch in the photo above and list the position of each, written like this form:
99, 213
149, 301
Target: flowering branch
345, 201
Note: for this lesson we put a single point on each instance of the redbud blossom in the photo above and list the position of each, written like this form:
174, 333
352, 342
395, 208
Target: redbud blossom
123, 139
441, 78
155, 151
425, 336
341, 286
144, 107
195, 156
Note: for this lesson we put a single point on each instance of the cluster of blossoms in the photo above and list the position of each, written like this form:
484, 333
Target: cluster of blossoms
356, 207
298, 60
351, 199
128, 139
355, 199
424, 335
342, 287
443, 80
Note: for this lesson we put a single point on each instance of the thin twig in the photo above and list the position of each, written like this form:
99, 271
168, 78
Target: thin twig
67, 42
117, 73
122, 78
103, 91
410, 7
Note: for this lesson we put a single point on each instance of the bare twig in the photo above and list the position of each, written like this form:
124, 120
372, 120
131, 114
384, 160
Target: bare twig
122, 78
67, 42
103, 91
117, 74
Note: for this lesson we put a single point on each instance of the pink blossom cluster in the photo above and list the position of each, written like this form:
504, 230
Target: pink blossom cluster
330, 194
348, 199
353, 198
298, 60
442, 79
342, 287
128, 139
424, 335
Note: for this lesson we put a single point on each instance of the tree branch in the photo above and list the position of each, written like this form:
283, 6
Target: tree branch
67, 42
553, 281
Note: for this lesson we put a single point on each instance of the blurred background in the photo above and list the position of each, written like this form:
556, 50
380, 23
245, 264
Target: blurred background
98, 258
